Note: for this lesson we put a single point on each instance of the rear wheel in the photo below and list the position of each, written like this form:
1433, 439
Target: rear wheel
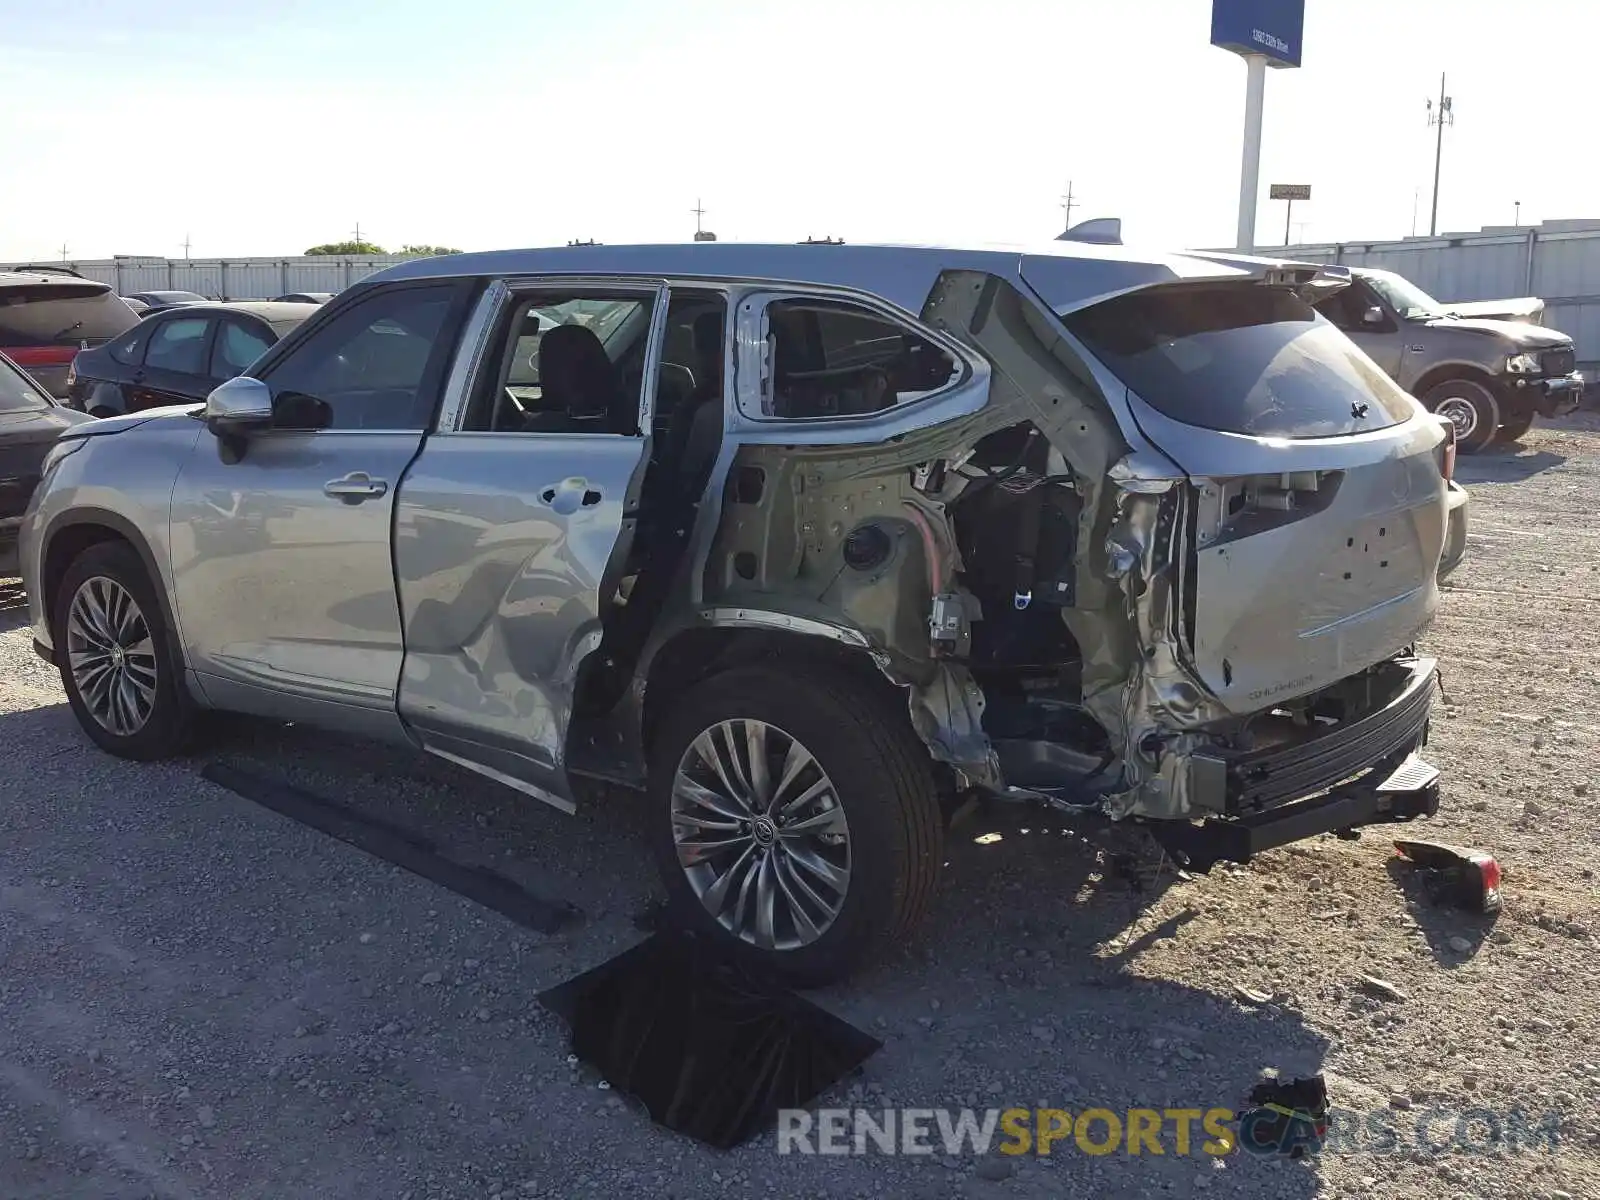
794, 819
1514, 428
115, 656
1470, 407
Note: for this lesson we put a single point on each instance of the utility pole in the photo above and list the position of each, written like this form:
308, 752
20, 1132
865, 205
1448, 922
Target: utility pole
358, 238
1517, 220
186, 247
699, 212
1416, 201
1068, 203
1441, 116
63, 252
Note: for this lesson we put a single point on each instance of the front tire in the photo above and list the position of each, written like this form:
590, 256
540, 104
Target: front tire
794, 820
116, 657
1470, 407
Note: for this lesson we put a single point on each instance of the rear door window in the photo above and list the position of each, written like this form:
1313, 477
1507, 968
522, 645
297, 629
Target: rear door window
238, 344
179, 345
1240, 358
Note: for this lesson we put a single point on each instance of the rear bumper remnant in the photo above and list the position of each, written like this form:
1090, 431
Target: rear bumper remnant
1407, 790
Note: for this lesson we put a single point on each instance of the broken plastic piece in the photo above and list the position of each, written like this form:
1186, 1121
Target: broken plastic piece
1469, 879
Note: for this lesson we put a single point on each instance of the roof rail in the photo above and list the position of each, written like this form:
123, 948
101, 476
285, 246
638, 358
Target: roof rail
43, 269
822, 241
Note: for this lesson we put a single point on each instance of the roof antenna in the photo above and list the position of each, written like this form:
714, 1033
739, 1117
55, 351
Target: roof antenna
1101, 231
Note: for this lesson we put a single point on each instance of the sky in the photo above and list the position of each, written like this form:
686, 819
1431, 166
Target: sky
262, 127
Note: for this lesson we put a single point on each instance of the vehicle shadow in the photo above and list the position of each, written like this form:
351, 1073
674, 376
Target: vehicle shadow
1511, 465
1026, 987
13, 605
1454, 935
1035, 983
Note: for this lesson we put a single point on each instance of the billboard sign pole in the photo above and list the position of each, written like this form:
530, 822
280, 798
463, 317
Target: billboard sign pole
1289, 192
1265, 33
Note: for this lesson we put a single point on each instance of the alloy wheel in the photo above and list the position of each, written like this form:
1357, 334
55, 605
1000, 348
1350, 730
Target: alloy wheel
761, 834
111, 656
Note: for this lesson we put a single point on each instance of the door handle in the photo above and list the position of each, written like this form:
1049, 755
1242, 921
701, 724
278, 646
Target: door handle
355, 487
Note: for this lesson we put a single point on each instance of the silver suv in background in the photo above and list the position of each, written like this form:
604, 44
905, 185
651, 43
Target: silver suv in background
808, 543
1488, 377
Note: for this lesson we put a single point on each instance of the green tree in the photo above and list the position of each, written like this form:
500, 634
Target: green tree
429, 251
361, 247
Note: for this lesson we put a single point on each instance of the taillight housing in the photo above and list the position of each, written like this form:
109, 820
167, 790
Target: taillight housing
28, 357
1447, 452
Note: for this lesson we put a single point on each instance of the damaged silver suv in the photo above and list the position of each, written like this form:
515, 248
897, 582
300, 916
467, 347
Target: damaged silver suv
809, 543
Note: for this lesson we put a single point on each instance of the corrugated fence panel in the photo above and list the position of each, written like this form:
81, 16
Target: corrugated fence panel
235, 278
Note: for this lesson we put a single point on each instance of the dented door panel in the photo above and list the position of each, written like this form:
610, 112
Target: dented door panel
502, 542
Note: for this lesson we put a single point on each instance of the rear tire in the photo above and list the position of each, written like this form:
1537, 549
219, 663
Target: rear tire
1514, 429
1471, 407
808, 889
116, 656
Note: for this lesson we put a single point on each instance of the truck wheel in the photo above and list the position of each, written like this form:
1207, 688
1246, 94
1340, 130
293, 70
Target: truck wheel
1514, 428
116, 656
794, 819
1470, 407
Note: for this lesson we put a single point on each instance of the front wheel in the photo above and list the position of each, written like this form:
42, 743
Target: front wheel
116, 656
1470, 407
794, 819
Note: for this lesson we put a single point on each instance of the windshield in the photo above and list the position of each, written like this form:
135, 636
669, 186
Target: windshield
1240, 358
1400, 294
16, 393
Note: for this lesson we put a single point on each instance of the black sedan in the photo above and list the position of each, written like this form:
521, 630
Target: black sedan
178, 356
30, 422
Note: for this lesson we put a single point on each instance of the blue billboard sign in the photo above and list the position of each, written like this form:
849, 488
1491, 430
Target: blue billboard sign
1269, 27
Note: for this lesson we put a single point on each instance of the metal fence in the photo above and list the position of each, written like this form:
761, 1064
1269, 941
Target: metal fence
1558, 261
233, 278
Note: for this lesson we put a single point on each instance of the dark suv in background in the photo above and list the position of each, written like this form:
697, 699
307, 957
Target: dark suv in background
49, 314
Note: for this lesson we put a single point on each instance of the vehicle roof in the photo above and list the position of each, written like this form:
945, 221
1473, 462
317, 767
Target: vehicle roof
166, 292
34, 279
273, 312
1067, 274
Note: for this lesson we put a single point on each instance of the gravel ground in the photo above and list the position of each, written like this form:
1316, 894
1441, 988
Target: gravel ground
201, 998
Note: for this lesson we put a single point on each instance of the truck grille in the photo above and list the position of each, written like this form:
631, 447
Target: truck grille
1558, 362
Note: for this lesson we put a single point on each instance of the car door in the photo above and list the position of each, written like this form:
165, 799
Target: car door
1366, 320
282, 561
513, 524
175, 358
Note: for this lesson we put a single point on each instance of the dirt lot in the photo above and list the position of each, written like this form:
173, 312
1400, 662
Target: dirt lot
201, 998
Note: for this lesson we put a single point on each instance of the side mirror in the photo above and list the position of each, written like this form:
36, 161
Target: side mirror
239, 407
1373, 316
